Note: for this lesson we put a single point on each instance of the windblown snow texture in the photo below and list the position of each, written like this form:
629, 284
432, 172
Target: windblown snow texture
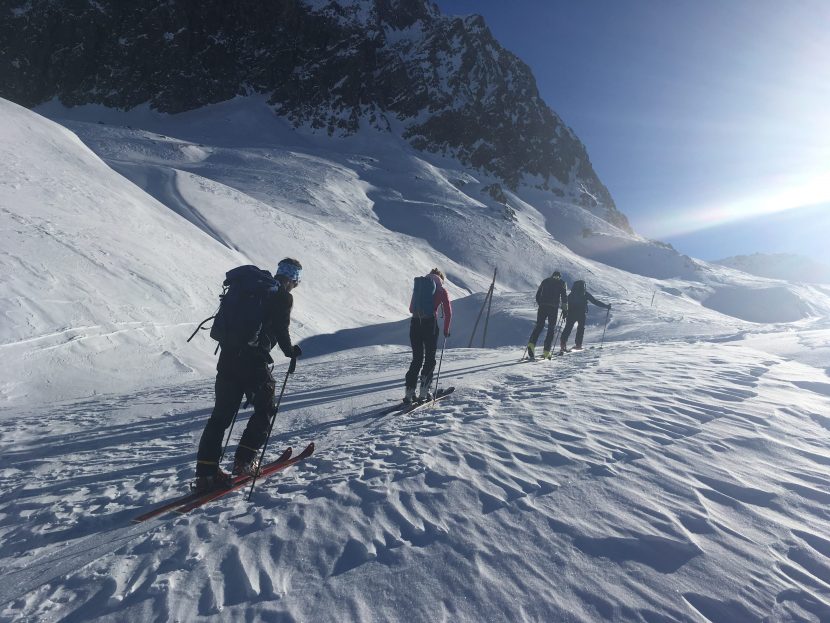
642, 501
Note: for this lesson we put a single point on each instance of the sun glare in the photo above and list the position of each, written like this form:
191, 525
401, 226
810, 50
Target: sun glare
811, 191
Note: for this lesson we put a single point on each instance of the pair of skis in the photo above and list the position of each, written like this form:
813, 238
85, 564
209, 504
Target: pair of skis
187, 503
408, 407
191, 501
533, 359
558, 353
439, 395
572, 350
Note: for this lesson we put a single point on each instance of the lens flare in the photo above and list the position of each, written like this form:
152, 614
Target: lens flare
809, 192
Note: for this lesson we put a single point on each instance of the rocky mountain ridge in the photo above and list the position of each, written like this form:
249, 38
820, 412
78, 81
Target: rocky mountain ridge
445, 84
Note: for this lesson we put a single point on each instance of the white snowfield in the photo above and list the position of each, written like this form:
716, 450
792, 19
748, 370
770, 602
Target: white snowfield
780, 266
677, 473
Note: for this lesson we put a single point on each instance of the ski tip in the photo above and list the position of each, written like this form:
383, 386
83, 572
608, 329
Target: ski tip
309, 450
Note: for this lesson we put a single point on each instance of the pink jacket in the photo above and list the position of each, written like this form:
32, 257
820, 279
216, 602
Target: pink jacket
440, 298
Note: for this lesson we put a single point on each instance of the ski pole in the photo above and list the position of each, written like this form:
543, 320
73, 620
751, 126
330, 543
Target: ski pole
230, 430
291, 368
559, 326
438, 376
604, 328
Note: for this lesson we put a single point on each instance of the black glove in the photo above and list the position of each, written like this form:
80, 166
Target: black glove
446, 333
296, 352
608, 307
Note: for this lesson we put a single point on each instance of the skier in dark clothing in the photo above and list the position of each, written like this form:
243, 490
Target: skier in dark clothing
423, 334
246, 371
548, 295
578, 301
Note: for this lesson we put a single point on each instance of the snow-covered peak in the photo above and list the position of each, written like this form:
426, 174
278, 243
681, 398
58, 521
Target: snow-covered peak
396, 14
444, 84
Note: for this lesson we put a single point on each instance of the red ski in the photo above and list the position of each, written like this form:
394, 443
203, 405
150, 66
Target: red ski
195, 496
241, 481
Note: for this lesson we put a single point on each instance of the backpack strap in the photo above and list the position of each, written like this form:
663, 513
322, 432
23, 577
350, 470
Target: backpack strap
201, 327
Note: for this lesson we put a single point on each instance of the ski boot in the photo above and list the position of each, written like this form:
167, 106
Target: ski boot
219, 480
248, 467
531, 347
424, 395
409, 397
546, 354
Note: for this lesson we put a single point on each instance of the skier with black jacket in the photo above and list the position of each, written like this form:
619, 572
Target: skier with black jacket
548, 296
246, 371
578, 301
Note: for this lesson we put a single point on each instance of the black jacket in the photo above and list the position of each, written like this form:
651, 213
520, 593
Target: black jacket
550, 292
274, 331
578, 301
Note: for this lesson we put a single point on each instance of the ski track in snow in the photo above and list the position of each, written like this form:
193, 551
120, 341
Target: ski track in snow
701, 493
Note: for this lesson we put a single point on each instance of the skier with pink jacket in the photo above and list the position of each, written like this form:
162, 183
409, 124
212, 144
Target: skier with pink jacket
427, 296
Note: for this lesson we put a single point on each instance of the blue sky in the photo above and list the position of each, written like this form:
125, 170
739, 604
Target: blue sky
705, 118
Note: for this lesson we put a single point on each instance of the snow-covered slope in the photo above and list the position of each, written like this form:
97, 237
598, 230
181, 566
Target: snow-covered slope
793, 268
364, 213
441, 84
99, 280
644, 482
679, 473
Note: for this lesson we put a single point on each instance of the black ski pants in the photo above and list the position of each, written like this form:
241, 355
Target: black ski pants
579, 320
232, 384
423, 335
546, 312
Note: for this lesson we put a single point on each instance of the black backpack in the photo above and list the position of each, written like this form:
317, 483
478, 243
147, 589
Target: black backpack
241, 307
577, 296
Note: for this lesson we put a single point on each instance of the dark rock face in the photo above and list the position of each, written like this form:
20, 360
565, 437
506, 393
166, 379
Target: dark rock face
444, 83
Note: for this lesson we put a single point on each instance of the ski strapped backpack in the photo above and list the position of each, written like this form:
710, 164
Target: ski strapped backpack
241, 314
423, 291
